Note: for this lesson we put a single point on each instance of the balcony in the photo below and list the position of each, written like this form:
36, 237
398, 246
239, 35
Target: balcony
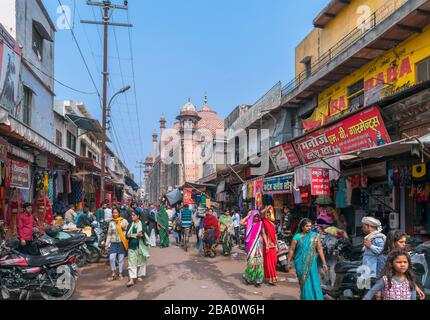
390, 25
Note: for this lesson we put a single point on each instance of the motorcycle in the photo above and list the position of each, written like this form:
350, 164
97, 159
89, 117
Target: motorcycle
48, 244
52, 276
94, 250
344, 279
282, 253
420, 263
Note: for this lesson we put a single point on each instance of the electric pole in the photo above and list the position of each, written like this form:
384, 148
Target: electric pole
141, 165
107, 5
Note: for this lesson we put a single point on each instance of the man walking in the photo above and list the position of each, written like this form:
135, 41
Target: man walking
108, 212
374, 242
236, 226
26, 223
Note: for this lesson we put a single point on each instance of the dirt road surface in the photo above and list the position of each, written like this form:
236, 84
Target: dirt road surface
173, 274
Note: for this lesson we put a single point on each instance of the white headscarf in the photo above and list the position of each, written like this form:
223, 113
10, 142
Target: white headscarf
373, 222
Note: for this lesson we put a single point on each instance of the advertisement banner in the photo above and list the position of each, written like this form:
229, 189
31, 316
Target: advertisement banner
19, 175
284, 157
10, 67
188, 196
278, 185
320, 182
3, 150
360, 131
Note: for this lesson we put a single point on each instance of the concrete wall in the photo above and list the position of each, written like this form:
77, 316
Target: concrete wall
319, 41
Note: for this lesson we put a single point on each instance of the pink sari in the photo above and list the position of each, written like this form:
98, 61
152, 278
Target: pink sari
253, 231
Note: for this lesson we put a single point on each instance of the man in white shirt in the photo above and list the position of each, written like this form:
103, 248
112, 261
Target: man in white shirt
236, 226
108, 213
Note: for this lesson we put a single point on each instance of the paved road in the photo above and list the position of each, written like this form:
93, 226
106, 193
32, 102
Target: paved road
173, 274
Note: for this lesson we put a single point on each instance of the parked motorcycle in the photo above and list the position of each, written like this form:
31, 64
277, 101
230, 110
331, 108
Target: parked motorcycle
344, 261
420, 263
282, 253
52, 276
48, 244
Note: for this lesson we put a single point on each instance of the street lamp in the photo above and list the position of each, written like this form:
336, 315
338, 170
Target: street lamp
103, 157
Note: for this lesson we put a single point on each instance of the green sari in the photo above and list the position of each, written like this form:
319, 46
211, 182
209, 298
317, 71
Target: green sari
226, 240
305, 261
163, 227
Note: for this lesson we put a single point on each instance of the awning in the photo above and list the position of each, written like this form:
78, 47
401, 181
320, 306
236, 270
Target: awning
87, 124
302, 174
130, 182
42, 31
33, 137
388, 150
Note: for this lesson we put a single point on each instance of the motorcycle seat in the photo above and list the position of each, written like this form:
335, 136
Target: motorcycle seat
68, 242
39, 261
345, 266
91, 239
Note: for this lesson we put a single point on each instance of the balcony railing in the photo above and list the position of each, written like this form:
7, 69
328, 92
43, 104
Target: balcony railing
345, 43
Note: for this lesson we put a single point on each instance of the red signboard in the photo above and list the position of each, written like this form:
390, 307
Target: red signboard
291, 155
3, 150
188, 196
19, 175
320, 182
284, 157
360, 131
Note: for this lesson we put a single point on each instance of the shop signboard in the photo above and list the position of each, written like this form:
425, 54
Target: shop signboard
320, 180
284, 157
188, 196
360, 131
279, 185
3, 150
19, 175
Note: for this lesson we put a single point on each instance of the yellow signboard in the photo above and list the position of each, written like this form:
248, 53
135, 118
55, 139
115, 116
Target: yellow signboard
392, 72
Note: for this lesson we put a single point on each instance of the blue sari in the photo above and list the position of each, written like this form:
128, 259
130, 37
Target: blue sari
305, 261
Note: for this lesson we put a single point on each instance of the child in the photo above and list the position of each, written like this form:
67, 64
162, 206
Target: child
397, 281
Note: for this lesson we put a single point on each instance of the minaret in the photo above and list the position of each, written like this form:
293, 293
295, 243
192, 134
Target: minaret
154, 145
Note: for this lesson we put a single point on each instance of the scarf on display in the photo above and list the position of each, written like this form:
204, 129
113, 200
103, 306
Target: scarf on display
118, 222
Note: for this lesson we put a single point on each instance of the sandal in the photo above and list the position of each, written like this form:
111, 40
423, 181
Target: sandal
130, 283
121, 277
111, 278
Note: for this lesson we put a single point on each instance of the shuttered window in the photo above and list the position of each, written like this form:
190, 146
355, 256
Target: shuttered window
423, 70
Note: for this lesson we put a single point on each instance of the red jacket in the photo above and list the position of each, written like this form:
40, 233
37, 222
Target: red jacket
26, 223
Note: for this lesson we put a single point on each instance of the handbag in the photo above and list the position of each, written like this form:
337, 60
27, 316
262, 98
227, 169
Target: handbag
133, 243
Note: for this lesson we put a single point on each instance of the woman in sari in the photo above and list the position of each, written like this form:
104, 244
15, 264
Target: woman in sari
304, 247
211, 234
225, 227
254, 272
45, 215
269, 248
163, 227
138, 253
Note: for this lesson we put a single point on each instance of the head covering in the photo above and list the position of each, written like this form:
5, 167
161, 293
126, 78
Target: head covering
373, 222
252, 230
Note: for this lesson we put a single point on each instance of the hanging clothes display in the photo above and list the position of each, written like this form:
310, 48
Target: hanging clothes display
51, 190
341, 194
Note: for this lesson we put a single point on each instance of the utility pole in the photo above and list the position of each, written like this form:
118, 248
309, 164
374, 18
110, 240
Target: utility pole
141, 165
107, 5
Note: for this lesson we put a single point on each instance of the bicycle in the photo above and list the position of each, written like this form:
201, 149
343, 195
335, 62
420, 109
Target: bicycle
185, 238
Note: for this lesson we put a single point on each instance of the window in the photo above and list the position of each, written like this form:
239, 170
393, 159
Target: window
83, 149
356, 95
71, 141
423, 70
26, 105
37, 44
59, 138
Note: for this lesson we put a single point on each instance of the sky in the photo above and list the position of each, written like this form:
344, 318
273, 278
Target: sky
232, 50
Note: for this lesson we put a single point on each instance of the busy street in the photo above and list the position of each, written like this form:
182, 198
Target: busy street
215, 150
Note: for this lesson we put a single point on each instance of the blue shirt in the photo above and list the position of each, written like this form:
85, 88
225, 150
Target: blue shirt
370, 255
